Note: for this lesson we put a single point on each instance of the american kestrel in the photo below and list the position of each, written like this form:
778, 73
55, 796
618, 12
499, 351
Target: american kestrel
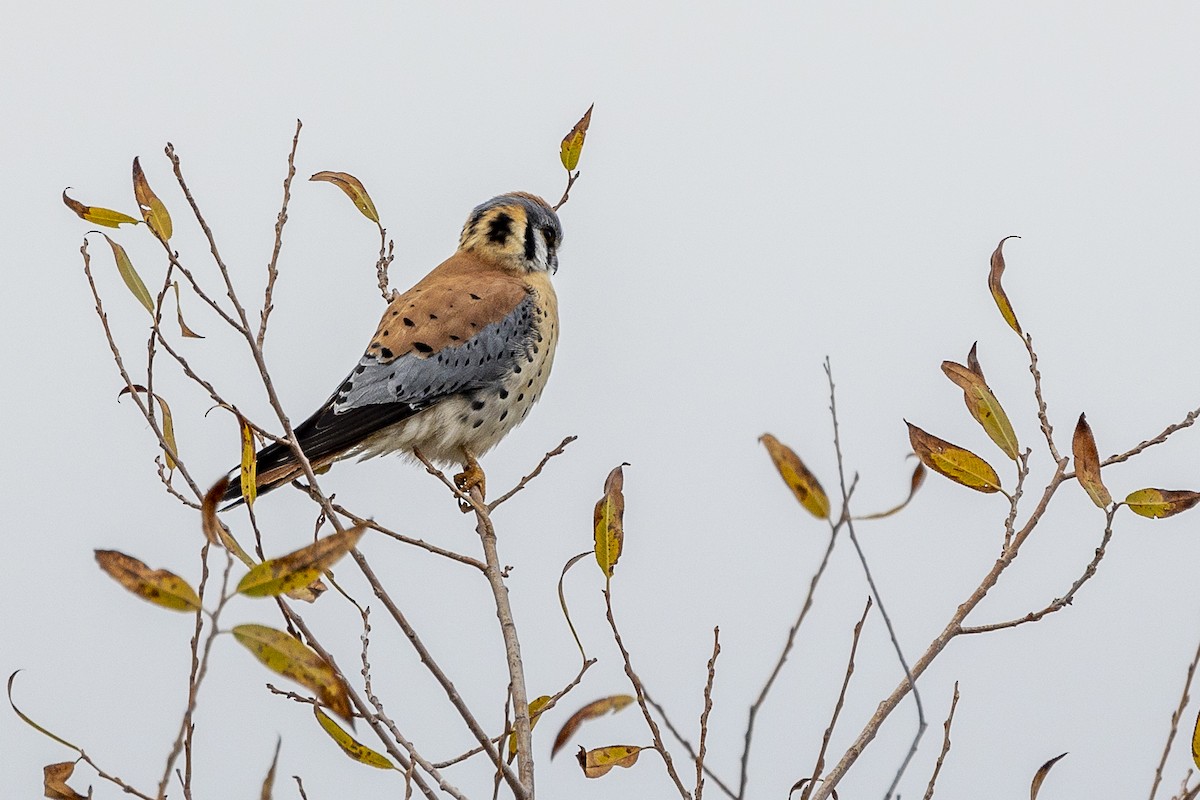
457, 360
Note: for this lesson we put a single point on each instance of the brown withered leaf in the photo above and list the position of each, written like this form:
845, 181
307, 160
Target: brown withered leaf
973, 362
184, 330
572, 143
608, 522
128, 274
354, 189
54, 782
153, 211
984, 406
1161, 503
535, 713
159, 586
285, 654
300, 568
99, 216
351, 746
215, 530
248, 469
598, 762
596, 708
268, 785
997, 270
799, 479
1087, 463
168, 424
800, 784
1040, 776
956, 463
918, 478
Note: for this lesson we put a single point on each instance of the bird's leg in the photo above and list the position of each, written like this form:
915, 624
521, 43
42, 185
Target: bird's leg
472, 476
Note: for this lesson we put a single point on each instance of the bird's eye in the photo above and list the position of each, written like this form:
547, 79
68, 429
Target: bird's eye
548, 233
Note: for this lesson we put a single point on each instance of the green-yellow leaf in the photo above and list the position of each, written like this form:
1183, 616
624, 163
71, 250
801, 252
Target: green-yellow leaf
572, 143
598, 762
153, 211
285, 654
984, 406
1195, 738
130, 276
607, 522
596, 708
1160, 503
1087, 463
168, 424
159, 586
354, 189
803, 483
1040, 776
997, 270
535, 713
300, 568
248, 470
351, 746
956, 463
99, 216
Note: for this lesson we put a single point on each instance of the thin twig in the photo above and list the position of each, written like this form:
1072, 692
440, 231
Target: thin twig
1184, 698
537, 471
571, 178
941, 759
432, 548
687, 745
1043, 417
300, 786
281, 220
837, 708
708, 685
1187, 422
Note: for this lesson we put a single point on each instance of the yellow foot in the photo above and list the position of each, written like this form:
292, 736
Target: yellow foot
470, 478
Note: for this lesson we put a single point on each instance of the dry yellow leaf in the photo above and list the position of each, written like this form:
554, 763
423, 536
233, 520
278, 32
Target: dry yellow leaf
354, 189
803, 483
153, 211
301, 567
572, 143
608, 522
168, 424
129, 275
54, 782
1195, 742
184, 330
285, 654
596, 708
100, 216
351, 746
956, 463
984, 406
598, 762
248, 470
535, 713
159, 586
1087, 463
997, 270
1160, 503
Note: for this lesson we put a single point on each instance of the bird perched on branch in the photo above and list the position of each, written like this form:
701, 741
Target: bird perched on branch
457, 360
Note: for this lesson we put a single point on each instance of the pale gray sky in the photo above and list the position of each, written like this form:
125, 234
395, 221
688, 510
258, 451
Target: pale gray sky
762, 185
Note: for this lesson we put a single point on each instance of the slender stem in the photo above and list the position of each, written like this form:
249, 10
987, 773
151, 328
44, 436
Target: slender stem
1183, 701
941, 759
280, 221
708, 685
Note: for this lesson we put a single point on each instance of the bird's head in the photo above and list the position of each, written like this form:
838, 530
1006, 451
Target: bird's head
516, 230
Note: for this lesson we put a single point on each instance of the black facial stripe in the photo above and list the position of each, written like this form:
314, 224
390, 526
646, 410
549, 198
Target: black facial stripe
500, 228
530, 242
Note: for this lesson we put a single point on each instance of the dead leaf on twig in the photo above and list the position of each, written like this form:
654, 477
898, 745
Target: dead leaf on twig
956, 463
596, 708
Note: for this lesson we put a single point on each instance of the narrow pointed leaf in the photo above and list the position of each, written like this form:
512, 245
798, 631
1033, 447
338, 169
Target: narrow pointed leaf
956, 463
608, 524
535, 713
1040, 776
268, 785
984, 406
300, 568
130, 276
184, 330
21, 714
598, 762
153, 211
96, 215
562, 601
168, 423
159, 586
248, 471
918, 478
1087, 463
572, 143
54, 782
351, 746
285, 654
1160, 503
354, 189
1195, 740
215, 530
997, 270
804, 484
596, 708
973, 362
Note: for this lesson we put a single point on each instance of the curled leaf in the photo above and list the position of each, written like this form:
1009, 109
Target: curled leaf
1040, 776
598, 762
168, 424
596, 708
153, 211
1087, 463
956, 463
1160, 503
997, 270
572, 143
30, 722
354, 189
983, 405
96, 215
351, 746
285, 654
130, 276
248, 471
54, 782
184, 330
215, 530
803, 483
562, 601
299, 568
918, 478
159, 586
535, 713
607, 522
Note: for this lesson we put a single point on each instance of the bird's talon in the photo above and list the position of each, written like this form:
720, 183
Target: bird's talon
470, 478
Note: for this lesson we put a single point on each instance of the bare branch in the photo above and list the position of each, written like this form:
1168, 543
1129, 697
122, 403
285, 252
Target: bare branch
280, 221
1043, 417
937, 768
562, 446
1186, 422
708, 684
1184, 698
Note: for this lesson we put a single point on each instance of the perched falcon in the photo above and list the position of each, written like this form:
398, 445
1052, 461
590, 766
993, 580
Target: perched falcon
456, 362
